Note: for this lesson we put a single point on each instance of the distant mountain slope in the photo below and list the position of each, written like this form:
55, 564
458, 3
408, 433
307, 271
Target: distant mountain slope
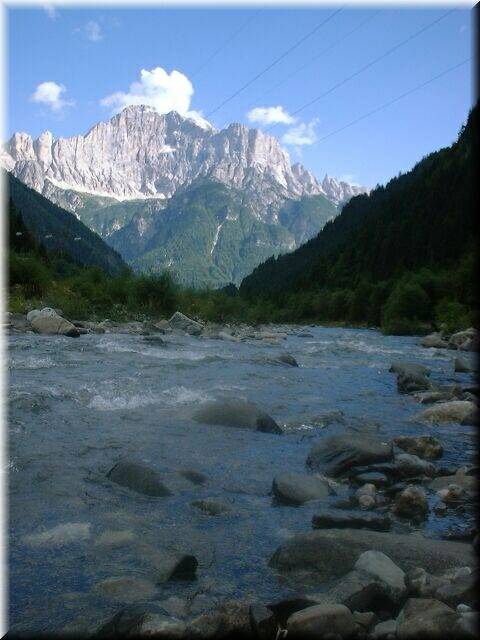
422, 219
208, 233
121, 176
58, 230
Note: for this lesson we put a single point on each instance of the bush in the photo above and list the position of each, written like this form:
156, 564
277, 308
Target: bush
407, 307
453, 315
155, 292
29, 272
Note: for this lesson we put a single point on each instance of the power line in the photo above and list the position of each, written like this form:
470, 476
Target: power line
370, 64
396, 99
226, 42
276, 61
321, 53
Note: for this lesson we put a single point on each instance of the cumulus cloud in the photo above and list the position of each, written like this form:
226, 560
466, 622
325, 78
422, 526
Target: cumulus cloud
51, 94
270, 115
301, 135
51, 11
160, 90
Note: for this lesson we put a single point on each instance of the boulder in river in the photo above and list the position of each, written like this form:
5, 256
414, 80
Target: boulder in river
138, 477
233, 412
435, 340
298, 488
465, 340
411, 377
444, 412
18, 321
462, 366
336, 455
184, 323
287, 358
210, 507
322, 621
379, 566
142, 619
427, 447
330, 553
349, 519
62, 534
168, 564
125, 588
48, 322
408, 465
412, 503
426, 618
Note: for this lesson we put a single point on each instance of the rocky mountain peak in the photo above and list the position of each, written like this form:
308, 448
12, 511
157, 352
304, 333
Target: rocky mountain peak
140, 154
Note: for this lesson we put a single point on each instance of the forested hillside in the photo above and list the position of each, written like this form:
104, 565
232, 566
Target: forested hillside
208, 234
59, 231
402, 256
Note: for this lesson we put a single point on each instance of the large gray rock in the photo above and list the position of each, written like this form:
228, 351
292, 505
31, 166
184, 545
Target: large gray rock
466, 340
462, 366
184, 323
384, 630
445, 412
238, 413
54, 325
379, 566
139, 478
322, 621
330, 553
287, 358
142, 619
462, 589
18, 321
427, 447
411, 377
412, 503
426, 618
408, 465
349, 519
230, 620
335, 455
298, 488
408, 368
434, 340
167, 564
357, 590
460, 478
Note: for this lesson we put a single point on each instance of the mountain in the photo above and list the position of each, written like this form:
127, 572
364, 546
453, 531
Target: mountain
59, 232
414, 237
208, 234
129, 168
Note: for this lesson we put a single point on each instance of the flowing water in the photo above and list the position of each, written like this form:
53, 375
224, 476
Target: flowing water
78, 406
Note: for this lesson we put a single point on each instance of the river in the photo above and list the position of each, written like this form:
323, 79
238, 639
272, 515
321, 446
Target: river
79, 405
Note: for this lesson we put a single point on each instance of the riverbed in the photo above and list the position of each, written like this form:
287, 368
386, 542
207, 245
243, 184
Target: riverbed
77, 406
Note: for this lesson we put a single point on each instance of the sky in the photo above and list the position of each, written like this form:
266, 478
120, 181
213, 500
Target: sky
71, 68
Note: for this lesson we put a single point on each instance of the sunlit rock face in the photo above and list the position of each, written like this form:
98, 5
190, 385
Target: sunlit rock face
141, 154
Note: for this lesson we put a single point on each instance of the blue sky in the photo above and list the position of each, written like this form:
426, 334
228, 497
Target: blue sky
92, 57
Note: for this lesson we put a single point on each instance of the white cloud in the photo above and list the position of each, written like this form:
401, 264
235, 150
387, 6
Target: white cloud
160, 90
91, 31
270, 115
351, 178
50, 94
51, 11
301, 135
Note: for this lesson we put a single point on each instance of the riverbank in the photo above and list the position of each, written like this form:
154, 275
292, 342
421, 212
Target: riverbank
189, 479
